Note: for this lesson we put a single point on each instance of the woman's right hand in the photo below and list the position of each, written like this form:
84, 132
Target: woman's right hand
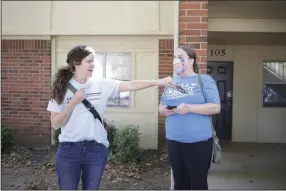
166, 112
79, 96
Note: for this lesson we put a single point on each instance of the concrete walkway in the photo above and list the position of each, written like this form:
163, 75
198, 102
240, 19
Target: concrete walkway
250, 166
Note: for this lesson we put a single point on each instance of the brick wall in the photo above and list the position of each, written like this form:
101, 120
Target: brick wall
166, 52
193, 31
193, 27
26, 71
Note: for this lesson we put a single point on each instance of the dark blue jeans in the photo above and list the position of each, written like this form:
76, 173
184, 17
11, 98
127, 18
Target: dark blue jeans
190, 163
86, 159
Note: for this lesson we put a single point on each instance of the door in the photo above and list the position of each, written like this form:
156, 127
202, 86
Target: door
222, 73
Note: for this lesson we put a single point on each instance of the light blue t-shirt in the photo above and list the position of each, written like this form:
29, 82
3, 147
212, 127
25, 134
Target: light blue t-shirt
190, 127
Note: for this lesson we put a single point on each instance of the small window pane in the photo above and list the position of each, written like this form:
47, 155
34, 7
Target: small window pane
274, 72
118, 66
221, 70
274, 95
121, 100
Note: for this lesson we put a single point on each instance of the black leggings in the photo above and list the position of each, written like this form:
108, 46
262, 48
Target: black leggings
190, 164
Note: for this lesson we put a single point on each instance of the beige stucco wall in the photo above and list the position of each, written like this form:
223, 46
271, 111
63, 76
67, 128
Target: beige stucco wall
131, 18
247, 16
250, 9
252, 122
144, 103
26, 17
87, 17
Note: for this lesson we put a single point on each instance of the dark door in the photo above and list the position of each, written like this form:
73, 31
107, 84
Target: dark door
222, 73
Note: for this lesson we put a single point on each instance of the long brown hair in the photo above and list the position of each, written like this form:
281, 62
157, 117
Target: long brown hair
192, 54
64, 74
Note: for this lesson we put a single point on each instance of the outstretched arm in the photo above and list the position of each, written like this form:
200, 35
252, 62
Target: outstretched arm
135, 85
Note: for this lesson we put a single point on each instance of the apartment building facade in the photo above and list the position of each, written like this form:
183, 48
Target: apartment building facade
238, 43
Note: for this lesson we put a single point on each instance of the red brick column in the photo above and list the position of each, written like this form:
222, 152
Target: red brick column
193, 28
26, 79
166, 52
193, 31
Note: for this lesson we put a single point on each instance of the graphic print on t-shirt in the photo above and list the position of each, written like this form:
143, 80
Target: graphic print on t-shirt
93, 96
89, 97
172, 93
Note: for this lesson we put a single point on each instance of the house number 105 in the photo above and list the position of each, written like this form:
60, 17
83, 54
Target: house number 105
217, 52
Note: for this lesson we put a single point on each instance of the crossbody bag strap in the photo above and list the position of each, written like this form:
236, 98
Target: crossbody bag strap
202, 88
87, 104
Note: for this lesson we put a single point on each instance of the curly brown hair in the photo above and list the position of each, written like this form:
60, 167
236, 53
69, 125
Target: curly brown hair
192, 54
64, 74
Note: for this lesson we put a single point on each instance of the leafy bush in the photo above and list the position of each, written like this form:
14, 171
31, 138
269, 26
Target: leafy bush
111, 156
111, 132
127, 144
6, 137
123, 142
56, 136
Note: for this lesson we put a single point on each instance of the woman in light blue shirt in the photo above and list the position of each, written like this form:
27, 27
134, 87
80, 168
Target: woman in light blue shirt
188, 128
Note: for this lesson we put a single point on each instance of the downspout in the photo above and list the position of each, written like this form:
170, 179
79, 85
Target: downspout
176, 44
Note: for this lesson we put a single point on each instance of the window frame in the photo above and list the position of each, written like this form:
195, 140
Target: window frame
263, 104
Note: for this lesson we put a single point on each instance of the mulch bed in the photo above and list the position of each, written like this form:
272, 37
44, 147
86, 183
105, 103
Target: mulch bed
39, 164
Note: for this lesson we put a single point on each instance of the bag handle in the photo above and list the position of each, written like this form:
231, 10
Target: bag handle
202, 88
87, 104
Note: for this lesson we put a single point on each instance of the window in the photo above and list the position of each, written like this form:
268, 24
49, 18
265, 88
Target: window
115, 66
274, 84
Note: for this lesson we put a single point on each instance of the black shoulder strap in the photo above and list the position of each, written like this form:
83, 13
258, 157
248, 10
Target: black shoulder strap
87, 104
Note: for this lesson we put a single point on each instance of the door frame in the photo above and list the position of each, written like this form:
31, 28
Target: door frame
232, 85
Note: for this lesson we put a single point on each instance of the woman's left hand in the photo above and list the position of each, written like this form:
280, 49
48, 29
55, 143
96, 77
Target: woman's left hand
182, 109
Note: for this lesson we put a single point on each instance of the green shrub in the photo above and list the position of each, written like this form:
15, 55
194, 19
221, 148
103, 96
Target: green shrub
127, 144
6, 137
123, 143
111, 157
56, 136
111, 132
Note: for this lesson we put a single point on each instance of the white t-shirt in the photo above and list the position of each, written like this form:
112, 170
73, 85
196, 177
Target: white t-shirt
81, 125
